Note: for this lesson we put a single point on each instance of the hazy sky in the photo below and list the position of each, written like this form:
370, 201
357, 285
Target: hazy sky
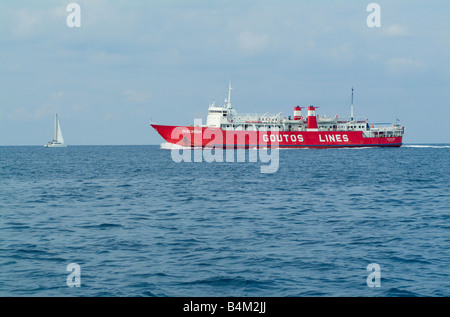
167, 60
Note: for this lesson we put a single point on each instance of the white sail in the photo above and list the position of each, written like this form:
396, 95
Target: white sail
59, 136
55, 129
58, 140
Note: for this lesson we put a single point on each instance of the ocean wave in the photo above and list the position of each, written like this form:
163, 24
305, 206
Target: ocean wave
356, 148
420, 146
171, 146
143, 226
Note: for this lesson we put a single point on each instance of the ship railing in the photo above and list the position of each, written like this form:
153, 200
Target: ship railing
254, 127
384, 125
258, 115
384, 133
348, 119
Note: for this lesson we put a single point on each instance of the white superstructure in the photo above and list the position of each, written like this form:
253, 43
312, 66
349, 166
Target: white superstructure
227, 118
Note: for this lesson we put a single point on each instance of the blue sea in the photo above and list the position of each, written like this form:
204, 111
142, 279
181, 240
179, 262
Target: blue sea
139, 224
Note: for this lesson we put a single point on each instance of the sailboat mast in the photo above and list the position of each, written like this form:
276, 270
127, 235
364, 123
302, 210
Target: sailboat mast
55, 130
57, 127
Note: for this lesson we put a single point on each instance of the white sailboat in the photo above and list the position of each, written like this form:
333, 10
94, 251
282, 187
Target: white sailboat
58, 140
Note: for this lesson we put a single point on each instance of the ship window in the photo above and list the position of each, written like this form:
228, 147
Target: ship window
224, 114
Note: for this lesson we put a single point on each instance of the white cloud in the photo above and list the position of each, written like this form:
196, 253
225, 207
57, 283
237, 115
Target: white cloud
21, 114
251, 43
109, 59
46, 109
341, 53
401, 64
134, 96
29, 22
111, 116
26, 22
50, 107
56, 96
139, 110
397, 30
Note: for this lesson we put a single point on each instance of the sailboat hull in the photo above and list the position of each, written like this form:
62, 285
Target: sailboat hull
58, 140
55, 145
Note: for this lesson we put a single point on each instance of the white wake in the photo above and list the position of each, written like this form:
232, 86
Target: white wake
420, 146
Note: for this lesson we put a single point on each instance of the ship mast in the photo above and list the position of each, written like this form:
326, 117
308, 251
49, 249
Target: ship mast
228, 101
351, 109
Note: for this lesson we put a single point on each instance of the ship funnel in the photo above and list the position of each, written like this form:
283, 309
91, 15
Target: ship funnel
298, 113
311, 122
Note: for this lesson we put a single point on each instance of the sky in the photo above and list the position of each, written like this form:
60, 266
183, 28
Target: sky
130, 62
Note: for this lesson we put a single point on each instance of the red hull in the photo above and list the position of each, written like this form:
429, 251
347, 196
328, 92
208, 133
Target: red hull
218, 138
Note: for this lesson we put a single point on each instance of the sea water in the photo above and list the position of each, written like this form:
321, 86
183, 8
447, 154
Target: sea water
136, 223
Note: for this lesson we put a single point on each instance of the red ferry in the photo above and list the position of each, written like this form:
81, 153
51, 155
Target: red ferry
225, 128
